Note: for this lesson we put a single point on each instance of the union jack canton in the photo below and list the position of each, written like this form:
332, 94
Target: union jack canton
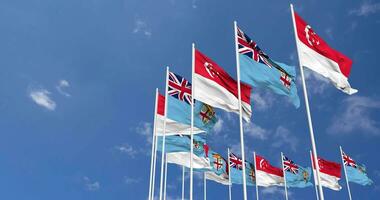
348, 161
250, 48
236, 162
179, 88
289, 165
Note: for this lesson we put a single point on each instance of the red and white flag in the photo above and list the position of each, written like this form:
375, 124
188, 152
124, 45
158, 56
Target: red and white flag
217, 88
172, 127
317, 55
330, 173
266, 174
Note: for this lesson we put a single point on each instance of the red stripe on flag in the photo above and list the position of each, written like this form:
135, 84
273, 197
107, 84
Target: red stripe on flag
207, 68
308, 37
329, 167
161, 105
263, 165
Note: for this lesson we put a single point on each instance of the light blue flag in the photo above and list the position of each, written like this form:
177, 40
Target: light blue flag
258, 70
358, 175
301, 179
180, 111
237, 171
296, 176
181, 143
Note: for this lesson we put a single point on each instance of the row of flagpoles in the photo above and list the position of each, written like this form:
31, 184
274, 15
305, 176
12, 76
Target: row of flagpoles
211, 87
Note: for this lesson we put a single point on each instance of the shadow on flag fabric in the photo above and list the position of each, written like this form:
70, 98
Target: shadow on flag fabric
177, 149
330, 174
315, 54
268, 175
217, 88
173, 127
219, 170
296, 176
258, 70
356, 173
236, 170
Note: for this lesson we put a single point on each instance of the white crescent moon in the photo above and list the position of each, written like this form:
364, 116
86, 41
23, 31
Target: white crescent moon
261, 163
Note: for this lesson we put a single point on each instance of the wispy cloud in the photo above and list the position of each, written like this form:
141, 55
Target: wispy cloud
194, 4
274, 191
329, 32
284, 138
316, 84
141, 27
127, 149
218, 126
355, 115
130, 180
262, 100
91, 185
62, 85
145, 129
255, 131
366, 8
41, 97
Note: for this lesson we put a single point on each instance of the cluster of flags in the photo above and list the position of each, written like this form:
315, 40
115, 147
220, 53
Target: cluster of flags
185, 113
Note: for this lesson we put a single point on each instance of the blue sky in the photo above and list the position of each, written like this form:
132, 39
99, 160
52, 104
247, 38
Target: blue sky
77, 86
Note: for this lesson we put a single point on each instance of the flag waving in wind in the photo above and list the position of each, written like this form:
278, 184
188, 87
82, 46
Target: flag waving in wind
217, 88
296, 176
258, 70
330, 174
315, 54
268, 175
236, 171
356, 173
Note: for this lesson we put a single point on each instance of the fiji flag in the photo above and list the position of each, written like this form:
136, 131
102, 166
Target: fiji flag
219, 170
258, 70
296, 176
179, 101
236, 170
355, 172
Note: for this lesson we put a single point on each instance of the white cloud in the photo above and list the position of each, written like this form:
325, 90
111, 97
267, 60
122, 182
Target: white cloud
274, 191
355, 115
41, 97
366, 8
316, 84
194, 4
145, 129
91, 185
130, 180
284, 138
218, 126
62, 84
329, 32
255, 131
127, 149
141, 27
262, 100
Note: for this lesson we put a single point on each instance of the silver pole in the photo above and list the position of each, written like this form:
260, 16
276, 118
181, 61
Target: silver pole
345, 173
240, 113
151, 185
257, 186
283, 171
308, 111
314, 177
183, 182
229, 176
192, 121
164, 134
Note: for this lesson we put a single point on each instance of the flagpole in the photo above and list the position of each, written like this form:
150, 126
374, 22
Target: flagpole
155, 158
283, 171
166, 174
257, 187
183, 182
164, 134
229, 176
152, 154
240, 113
192, 121
315, 155
315, 178
345, 173
204, 186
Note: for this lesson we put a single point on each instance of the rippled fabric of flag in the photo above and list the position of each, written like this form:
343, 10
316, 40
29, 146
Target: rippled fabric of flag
296, 176
179, 109
218, 172
356, 173
258, 70
236, 170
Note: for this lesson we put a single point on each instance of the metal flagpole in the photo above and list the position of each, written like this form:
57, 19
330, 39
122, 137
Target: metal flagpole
240, 113
315, 178
283, 171
229, 176
257, 186
345, 173
164, 134
192, 121
315, 156
155, 161
183, 182
166, 174
204, 186
153, 141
